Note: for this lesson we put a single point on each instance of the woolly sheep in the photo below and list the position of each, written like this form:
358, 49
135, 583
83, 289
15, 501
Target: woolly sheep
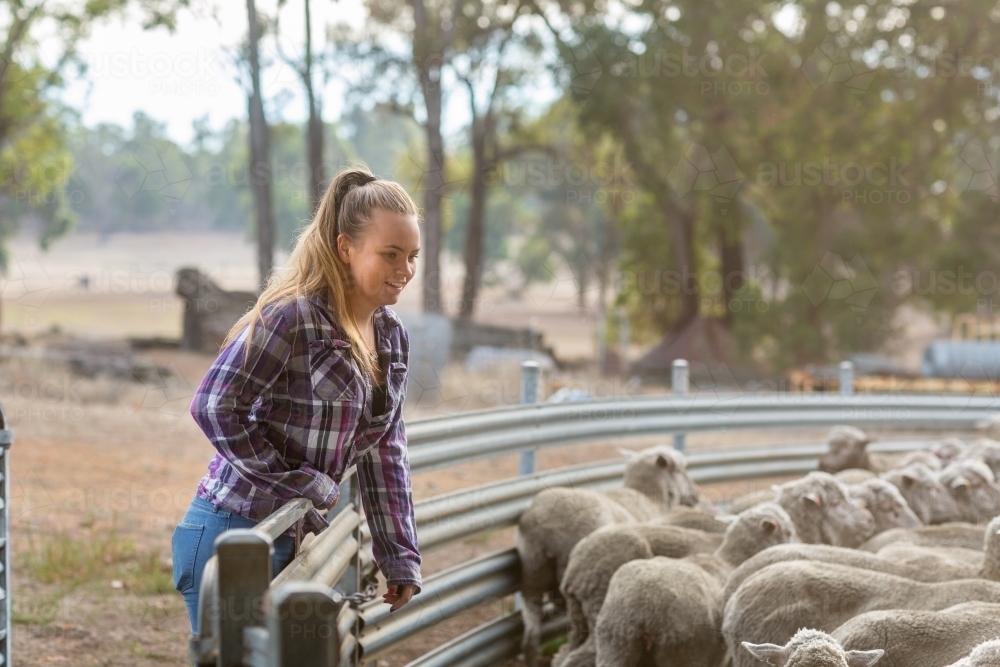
846, 448
655, 480
811, 648
922, 456
973, 486
774, 602
853, 476
924, 493
596, 558
823, 511
824, 553
953, 534
922, 638
986, 450
931, 557
886, 504
692, 517
888, 507
986, 654
949, 449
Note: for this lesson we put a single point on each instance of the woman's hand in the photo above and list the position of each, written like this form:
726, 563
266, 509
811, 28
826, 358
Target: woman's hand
397, 596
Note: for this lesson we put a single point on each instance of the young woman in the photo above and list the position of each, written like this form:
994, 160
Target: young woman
311, 381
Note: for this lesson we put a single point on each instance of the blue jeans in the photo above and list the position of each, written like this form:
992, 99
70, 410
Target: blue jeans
193, 543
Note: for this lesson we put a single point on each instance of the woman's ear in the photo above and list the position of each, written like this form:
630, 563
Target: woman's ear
344, 248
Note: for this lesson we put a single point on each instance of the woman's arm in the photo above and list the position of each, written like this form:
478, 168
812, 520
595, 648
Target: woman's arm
384, 486
222, 404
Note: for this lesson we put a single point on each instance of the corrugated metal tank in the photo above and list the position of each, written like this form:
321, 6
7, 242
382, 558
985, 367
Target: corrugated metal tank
968, 359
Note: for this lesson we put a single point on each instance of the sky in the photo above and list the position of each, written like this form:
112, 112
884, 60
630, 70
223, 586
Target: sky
177, 78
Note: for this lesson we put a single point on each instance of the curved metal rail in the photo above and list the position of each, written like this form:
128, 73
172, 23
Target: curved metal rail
325, 577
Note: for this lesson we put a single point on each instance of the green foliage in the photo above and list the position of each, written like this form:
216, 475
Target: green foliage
898, 147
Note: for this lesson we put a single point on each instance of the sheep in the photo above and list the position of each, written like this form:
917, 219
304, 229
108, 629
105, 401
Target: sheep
771, 604
949, 449
849, 476
922, 456
886, 504
812, 648
986, 654
655, 480
986, 450
922, 638
931, 557
595, 559
846, 448
823, 512
689, 639
752, 499
888, 507
852, 476
953, 534
699, 519
924, 493
973, 486
824, 553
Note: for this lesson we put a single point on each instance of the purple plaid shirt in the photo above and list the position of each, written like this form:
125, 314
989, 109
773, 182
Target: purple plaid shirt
299, 416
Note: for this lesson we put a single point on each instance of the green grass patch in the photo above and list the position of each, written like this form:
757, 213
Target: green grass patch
97, 556
35, 609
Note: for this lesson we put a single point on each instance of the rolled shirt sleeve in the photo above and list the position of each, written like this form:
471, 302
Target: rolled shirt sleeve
386, 494
222, 408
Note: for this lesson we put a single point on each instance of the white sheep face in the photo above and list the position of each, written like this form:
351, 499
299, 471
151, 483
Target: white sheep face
812, 648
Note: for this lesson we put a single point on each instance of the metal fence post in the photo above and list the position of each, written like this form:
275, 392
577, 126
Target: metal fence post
244, 556
529, 394
302, 626
679, 378
350, 583
623, 339
846, 378
6, 439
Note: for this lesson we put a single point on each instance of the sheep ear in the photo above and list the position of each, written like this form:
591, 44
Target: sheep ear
863, 658
776, 488
728, 518
663, 462
626, 452
813, 498
772, 654
908, 480
770, 526
960, 483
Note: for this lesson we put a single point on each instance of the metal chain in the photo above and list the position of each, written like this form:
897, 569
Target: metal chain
368, 592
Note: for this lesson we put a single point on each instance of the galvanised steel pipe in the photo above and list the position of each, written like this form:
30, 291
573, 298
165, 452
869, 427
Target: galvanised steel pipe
285, 517
448, 593
441, 442
440, 508
331, 571
459, 515
492, 642
319, 550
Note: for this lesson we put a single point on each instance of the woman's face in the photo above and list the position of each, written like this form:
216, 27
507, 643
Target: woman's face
386, 259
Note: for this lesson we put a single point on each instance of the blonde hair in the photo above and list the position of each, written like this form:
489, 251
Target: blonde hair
315, 263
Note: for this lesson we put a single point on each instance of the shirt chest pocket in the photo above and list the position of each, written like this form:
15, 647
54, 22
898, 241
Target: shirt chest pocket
331, 370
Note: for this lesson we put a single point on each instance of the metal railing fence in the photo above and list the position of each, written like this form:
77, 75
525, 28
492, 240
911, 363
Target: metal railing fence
318, 611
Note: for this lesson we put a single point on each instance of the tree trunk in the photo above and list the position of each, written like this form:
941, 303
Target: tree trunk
428, 57
682, 225
314, 132
475, 228
260, 160
730, 237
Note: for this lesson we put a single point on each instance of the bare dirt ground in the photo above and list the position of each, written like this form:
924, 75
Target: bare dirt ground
102, 469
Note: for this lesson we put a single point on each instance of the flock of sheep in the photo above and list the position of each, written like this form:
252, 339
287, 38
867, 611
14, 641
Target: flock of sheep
866, 561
